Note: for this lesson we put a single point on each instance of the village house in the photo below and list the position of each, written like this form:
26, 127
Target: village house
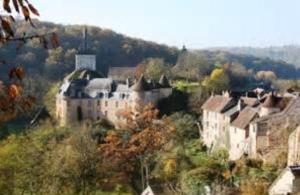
288, 182
87, 95
249, 125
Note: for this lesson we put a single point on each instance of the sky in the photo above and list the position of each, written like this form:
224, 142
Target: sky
194, 23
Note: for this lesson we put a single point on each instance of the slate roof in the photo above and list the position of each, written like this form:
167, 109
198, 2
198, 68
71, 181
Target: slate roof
141, 85
244, 118
164, 82
217, 103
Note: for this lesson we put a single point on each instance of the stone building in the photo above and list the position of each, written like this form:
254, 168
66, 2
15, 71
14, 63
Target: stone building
288, 182
258, 127
239, 132
215, 122
294, 148
269, 133
86, 95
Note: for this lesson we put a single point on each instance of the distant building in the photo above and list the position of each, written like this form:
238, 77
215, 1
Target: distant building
86, 95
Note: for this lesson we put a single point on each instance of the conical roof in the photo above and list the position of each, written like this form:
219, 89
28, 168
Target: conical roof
140, 85
164, 82
270, 101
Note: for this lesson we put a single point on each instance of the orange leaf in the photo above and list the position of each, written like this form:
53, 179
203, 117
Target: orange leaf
26, 12
13, 91
6, 27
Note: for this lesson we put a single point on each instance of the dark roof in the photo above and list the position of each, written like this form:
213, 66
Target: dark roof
295, 170
217, 103
83, 74
244, 118
271, 101
141, 85
164, 82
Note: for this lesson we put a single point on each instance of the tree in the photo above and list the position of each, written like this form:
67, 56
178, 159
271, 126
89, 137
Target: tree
155, 67
131, 150
191, 66
217, 81
11, 98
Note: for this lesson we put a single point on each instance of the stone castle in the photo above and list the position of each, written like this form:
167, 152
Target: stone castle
86, 95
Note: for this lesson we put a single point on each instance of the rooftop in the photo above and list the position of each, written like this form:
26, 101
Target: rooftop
244, 118
218, 103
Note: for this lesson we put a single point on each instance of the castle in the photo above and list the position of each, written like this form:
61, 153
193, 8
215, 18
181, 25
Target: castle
87, 95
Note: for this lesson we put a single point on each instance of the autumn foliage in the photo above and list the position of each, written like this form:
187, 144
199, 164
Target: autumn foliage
12, 99
144, 135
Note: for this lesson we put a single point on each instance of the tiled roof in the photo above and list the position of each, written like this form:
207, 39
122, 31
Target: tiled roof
244, 118
217, 103
249, 101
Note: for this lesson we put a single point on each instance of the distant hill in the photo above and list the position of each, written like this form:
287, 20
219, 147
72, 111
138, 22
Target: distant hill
289, 53
111, 48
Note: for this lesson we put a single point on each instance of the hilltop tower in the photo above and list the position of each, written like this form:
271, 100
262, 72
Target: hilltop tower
85, 59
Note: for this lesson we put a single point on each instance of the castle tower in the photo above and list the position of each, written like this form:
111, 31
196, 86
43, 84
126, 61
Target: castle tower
139, 93
85, 59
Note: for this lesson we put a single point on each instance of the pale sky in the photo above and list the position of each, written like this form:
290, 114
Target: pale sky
195, 23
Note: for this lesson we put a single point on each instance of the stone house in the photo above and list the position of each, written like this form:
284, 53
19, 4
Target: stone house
214, 122
254, 126
239, 132
288, 182
294, 148
269, 133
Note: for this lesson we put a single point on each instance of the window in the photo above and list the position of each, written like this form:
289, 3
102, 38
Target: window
89, 103
98, 102
98, 117
117, 104
106, 103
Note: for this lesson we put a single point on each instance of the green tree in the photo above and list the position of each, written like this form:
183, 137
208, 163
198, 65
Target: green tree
217, 81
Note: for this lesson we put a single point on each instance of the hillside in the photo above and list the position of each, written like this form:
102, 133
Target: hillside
289, 53
111, 48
